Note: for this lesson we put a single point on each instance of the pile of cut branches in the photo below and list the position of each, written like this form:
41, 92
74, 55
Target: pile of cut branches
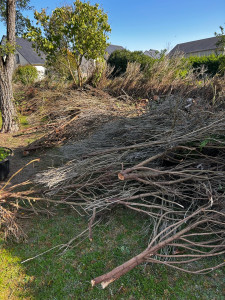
170, 167
18, 201
70, 114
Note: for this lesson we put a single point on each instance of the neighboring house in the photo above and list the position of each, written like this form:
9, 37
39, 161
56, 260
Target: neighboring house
203, 47
26, 55
152, 53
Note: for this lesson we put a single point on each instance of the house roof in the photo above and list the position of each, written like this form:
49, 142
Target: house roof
196, 46
28, 52
152, 53
111, 48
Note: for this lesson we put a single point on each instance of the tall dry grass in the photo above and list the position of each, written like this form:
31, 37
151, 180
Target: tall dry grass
101, 74
166, 76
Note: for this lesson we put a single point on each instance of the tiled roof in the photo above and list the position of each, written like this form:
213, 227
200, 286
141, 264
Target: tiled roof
196, 46
111, 48
28, 52
152, 53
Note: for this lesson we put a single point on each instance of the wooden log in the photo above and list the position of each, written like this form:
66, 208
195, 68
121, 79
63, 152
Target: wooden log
116, 273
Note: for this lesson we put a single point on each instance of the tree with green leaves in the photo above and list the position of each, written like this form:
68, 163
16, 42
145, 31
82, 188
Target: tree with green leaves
74, 32
221, 41
21, 20
9, 15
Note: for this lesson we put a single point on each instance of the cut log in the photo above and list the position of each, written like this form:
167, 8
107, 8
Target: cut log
116, 273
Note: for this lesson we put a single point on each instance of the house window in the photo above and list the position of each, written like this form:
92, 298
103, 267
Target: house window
17, 58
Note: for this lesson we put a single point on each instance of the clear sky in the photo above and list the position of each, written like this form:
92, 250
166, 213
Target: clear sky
153, 24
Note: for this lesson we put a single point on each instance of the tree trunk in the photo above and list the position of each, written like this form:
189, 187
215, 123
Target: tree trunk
7, 107
8, 110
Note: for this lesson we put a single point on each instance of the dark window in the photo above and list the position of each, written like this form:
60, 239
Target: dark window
17, 57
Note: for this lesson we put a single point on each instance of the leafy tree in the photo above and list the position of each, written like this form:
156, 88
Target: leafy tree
76, 32
221, 42
119, 60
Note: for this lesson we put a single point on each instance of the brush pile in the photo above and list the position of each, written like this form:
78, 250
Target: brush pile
17, 202
67, 114
168, 165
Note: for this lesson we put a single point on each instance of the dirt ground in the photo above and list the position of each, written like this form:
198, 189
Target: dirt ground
18, 160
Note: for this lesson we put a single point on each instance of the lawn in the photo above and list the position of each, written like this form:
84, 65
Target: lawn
57, 275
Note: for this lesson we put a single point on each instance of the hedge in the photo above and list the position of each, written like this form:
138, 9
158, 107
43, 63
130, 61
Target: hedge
214, 64
120, 58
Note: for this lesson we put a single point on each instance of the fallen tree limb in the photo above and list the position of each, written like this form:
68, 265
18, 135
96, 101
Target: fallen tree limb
146, 255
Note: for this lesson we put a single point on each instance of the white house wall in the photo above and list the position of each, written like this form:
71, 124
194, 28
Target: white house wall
203, 53
41, 72
23, 62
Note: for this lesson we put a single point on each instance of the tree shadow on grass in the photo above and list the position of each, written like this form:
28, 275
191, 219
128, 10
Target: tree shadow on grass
57, 275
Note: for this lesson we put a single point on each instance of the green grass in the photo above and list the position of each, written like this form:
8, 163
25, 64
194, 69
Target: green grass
22, 120
67, 276
4, 153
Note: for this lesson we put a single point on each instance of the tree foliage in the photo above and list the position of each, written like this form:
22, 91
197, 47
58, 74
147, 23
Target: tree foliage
78, 31
221, 42
21, 21
119, 59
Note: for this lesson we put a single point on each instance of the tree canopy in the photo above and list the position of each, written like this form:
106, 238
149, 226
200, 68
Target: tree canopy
80, 30
221, 42
21, 21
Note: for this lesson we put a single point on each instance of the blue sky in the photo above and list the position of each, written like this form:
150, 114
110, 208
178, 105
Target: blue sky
154, 24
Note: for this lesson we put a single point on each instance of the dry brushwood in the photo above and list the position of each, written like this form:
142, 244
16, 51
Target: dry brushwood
18, 201
54, 137
69, 114
178, 235
173, 171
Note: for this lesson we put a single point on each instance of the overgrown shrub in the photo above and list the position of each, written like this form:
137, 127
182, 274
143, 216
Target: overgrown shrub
63, 68
168, 77
119, 60
168, 69
26, 74
222, 65
101, 74
212, 63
